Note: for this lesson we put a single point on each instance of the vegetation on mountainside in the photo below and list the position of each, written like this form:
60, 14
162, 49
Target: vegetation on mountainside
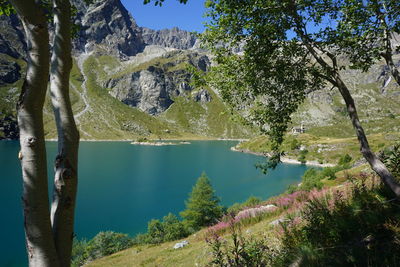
359, 218
108, 118
282, 61
202, 207
358, 215
103, 244
321, 148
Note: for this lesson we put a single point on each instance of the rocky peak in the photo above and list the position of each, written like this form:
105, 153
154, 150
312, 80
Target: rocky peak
174, 38
107, 24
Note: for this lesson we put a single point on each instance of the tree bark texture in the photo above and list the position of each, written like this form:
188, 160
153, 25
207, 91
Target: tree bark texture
66, 162
39, 240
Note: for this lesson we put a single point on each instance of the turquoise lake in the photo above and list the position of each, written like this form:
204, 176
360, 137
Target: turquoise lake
123, 186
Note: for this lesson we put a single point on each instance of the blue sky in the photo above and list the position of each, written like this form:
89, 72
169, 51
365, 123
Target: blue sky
187, 17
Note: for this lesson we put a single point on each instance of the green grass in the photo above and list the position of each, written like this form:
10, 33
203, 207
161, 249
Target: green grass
324, 149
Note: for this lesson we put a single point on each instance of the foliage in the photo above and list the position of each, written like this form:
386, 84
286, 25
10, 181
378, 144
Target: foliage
362, 230
160, 2
391, 158
79, 255
302, 156
202, 207
345, 161
270, 54
250, 202
241, 251
295, 144
6, 8
311, 179
364, 30
169, 229
103, 244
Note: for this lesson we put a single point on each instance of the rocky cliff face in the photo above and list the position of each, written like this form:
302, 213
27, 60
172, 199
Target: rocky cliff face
174, 38
109, 25
12, 39
152, 89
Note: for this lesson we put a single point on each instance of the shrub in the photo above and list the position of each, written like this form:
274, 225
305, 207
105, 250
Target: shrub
345, 161
79, 255
292, 188
362, 230
302, 156
240, 251
311, 179
250, 202
103, 244
294, 144
107, 243
173, 228
202, 207
391, 158
155, 231
169, 229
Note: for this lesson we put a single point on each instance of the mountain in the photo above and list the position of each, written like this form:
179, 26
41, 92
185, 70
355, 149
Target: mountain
174, 38
126, 81
129, 81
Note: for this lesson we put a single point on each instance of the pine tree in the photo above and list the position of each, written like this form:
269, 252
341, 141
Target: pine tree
202, 207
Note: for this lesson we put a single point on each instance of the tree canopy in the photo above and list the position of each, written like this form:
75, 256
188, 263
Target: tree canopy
271, 54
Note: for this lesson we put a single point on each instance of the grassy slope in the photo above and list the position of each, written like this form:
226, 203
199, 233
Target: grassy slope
329, 132
109, 119
322, 148
198, 253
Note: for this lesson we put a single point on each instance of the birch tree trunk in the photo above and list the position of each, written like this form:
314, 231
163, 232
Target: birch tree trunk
333, 76
373, 160
66, 162
39, 240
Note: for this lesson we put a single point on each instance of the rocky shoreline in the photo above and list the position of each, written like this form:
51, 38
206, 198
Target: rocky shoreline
285, 159
160, 143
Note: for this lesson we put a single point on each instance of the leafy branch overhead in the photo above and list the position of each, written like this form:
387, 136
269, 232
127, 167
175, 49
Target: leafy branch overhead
160, 2
273, 53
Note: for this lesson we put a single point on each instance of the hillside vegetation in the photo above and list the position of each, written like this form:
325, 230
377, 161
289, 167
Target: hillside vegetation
352, 216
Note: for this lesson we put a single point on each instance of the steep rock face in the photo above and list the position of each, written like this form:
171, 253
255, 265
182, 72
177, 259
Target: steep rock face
149, 90
9, 128
109, 25
9, 72
174, 38
12, 40
152, 89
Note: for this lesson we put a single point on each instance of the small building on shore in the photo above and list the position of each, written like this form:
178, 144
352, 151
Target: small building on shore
298, 130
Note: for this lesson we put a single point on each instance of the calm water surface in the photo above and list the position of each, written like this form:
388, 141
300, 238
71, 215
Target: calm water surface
122, 186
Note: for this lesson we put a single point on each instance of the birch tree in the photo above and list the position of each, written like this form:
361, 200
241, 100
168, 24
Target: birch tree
66, 162
38, 232
290, 48
48, 236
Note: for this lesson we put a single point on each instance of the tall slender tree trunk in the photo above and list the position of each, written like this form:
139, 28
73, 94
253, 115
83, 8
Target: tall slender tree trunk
66, 162
373, 160
39, 240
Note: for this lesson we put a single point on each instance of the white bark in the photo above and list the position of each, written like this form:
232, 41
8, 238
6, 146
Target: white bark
39, 240
66, 162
